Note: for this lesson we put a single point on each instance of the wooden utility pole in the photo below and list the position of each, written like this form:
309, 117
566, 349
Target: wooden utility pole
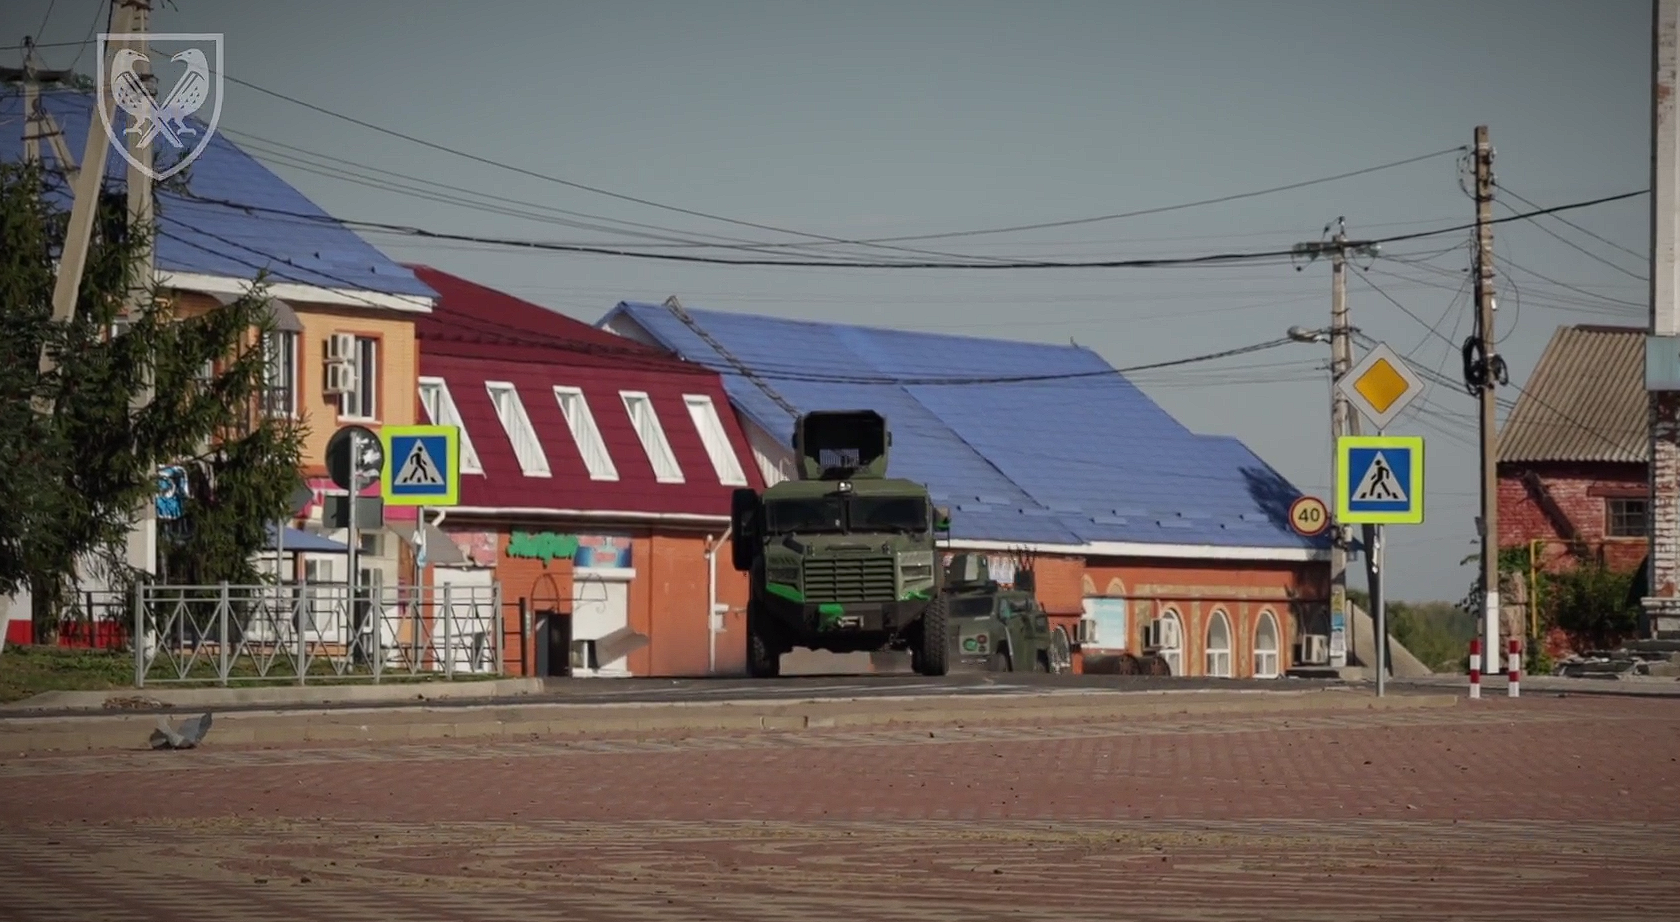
1485, 370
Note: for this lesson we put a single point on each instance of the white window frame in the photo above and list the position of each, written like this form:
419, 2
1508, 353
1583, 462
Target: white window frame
585, 433
280, 372
1266, 661
1174, 655
516, 423
645, 420
440, 408
709, 424
367, 383
1216, 661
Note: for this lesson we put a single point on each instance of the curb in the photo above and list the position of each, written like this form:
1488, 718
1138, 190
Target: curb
24, 735
290, 695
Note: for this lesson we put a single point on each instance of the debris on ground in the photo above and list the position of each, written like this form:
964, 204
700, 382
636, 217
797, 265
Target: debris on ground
190, 734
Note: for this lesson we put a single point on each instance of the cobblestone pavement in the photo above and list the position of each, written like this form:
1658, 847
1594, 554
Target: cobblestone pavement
1541, 808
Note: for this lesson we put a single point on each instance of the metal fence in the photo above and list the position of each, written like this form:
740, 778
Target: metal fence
227, 634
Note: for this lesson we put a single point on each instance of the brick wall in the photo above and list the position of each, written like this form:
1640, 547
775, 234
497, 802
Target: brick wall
1581, 491
667, 600
1244, 592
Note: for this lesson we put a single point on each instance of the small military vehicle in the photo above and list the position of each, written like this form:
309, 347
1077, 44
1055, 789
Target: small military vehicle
842, 558
1000, 629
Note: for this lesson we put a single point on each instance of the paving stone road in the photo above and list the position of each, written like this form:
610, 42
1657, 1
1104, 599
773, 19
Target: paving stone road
1537, 809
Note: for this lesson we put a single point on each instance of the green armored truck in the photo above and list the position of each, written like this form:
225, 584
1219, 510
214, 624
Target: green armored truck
1000, 629
843, 558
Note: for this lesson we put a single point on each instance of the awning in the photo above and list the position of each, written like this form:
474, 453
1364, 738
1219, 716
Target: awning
285, 319
303, 542
440, 548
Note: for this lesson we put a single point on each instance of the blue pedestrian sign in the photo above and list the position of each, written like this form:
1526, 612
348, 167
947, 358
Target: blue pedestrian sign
1379, 480
421, 466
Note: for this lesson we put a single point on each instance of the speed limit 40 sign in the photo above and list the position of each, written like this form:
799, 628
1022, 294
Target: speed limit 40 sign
1309, 516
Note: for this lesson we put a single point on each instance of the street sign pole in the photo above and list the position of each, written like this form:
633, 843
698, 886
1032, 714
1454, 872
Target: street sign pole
353, 557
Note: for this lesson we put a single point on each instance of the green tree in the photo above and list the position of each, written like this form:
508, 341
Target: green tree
81, 471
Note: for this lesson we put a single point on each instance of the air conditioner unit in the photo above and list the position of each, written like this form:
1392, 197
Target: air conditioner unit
1086, 633
341, 347
1315, 649
341, 378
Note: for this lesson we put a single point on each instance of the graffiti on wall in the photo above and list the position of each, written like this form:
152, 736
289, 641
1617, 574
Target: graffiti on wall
541, 545
603, 552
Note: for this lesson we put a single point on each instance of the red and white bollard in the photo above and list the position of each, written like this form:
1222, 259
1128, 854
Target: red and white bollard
1475, 667
1513, 666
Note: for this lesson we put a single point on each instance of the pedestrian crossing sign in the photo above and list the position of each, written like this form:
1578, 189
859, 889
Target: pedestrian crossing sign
1379, 480
422, 466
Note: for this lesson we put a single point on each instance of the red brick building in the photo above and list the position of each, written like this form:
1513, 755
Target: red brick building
596, 479
1573, 454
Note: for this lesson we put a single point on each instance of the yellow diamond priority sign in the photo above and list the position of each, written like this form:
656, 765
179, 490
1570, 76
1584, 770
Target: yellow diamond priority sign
1381, 385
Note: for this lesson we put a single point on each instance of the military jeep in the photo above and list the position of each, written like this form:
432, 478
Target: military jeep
998, 629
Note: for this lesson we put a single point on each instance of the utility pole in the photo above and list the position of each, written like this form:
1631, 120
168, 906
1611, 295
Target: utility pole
86, 187
142, 542
1343, 421
1485, 371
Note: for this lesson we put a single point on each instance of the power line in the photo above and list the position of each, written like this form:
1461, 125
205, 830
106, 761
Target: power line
884, 380
1218, 200
1137, 263
877, 242
1644, 257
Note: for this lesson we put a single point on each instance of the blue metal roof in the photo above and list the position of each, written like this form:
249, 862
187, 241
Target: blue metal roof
297, 541
1069, 460
212, 239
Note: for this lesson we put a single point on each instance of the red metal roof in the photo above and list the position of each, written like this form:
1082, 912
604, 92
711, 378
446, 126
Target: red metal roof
476, 334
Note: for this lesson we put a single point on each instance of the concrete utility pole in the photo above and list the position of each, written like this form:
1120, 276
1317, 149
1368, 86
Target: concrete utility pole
38, 124
1343, 421
1485, 371
1660, 611
142, 539
73, 260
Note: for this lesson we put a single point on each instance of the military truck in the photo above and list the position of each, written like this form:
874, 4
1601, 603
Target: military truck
1000, 629
842, 558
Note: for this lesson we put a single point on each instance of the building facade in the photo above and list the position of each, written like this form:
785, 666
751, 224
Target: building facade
342, 351
1046, 456
1574, 453
596, 484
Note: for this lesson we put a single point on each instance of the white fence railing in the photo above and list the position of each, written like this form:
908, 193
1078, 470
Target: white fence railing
227, 634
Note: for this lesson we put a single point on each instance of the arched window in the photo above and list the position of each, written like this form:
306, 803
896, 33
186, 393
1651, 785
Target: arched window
1266, 647
1219, 646
1172, 640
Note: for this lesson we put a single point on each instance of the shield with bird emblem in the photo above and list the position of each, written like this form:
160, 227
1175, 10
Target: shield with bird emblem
154, 88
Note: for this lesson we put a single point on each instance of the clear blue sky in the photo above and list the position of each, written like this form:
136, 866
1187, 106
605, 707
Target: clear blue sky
871, 119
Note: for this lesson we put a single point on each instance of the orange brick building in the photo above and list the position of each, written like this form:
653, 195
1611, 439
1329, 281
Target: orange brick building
596, 479
1134, 524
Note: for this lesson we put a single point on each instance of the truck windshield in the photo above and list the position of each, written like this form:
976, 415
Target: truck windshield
888, 513
817, 514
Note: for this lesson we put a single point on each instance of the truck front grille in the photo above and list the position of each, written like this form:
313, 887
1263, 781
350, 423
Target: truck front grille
856, 579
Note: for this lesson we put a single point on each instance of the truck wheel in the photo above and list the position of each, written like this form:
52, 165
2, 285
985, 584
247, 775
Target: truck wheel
1000, 662
764, 655
935, 641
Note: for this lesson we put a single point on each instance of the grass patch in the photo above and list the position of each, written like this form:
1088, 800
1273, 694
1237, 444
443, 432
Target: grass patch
30, 670
26, 671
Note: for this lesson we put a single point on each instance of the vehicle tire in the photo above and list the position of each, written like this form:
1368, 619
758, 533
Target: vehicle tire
935, 640
764, 654
1000, 662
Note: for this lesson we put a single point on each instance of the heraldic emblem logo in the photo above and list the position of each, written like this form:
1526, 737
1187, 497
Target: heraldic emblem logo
162, 120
